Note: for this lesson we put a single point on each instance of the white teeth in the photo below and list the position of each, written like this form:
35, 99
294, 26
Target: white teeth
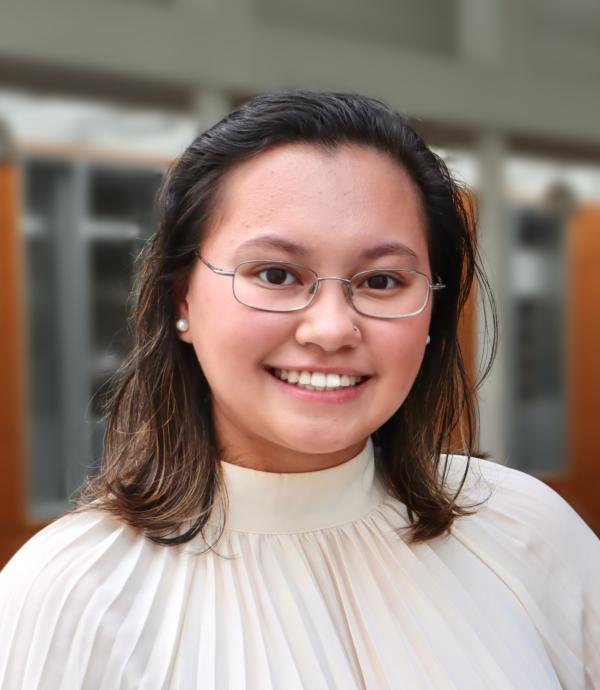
304, 378
333, 380
317, 380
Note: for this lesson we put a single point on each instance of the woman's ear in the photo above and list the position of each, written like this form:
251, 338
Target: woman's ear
181, 313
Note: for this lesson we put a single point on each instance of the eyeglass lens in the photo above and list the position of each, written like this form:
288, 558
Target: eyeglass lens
279, 286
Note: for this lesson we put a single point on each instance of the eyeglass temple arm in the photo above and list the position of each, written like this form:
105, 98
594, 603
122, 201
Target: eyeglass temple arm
437, 286
220, 271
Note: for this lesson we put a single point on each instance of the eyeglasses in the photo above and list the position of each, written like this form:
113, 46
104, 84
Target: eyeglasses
280, 286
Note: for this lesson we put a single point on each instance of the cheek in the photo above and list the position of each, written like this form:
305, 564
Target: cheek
231, 337
400, 350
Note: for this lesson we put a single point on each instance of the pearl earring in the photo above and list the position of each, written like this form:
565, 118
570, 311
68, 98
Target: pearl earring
428, 340
182, 325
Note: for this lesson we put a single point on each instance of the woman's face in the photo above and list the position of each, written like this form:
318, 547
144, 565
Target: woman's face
336, 207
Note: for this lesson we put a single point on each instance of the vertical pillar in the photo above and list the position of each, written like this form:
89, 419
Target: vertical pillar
210, 105
494, 243
479, 30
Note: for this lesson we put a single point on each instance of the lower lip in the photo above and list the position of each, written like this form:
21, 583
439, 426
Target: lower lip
338, 396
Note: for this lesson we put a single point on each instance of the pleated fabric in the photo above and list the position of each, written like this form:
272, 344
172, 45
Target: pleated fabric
313, 586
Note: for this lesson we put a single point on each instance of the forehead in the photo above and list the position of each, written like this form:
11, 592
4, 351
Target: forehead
339, 201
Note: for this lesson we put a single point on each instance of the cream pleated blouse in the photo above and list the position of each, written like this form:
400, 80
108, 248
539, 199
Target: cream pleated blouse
313, 587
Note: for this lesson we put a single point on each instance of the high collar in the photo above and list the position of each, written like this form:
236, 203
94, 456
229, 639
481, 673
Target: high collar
275, 503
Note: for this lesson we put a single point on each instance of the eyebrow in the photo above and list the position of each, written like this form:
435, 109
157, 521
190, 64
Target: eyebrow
386, 249
274, 242
277, 242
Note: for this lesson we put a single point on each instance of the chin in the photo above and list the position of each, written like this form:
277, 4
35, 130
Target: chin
322, 443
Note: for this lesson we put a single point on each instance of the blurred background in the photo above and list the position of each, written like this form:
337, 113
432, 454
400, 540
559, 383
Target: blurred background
97, 97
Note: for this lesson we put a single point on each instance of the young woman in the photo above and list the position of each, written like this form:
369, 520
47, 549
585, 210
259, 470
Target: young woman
277, 508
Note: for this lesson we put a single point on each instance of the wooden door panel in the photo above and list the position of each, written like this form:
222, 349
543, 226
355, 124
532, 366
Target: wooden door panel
12, 445
580, 484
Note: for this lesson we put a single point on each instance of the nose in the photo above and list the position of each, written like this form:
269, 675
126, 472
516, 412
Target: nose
329, 320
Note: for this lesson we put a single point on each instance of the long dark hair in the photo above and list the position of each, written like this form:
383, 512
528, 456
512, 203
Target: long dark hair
161, 470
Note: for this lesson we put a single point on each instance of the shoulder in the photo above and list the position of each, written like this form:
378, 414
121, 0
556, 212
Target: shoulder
544, 552
521, 504
55, 590
68, 547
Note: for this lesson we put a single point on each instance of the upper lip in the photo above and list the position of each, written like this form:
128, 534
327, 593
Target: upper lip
348, 371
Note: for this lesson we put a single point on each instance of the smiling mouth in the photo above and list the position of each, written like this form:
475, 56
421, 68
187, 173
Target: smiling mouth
317, 380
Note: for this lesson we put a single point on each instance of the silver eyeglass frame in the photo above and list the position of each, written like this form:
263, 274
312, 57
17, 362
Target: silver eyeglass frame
318, 279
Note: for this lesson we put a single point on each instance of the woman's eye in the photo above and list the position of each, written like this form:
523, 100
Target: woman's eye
275, 275
380, 281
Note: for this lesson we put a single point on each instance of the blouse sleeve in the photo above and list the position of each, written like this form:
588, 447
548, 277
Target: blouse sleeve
550, 559
52, 594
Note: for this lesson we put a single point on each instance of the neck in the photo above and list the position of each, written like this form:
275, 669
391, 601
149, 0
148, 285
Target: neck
276, 503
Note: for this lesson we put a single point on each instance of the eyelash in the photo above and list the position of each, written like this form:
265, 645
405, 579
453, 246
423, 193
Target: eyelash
288, 272
277, 268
